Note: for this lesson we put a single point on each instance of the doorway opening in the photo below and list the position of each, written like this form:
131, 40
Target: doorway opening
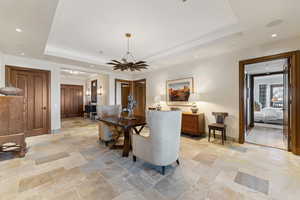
291, 96
267, 84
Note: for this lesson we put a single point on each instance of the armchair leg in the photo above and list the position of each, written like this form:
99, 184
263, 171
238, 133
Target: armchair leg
106, 143
134, 158
177, 161
163, 168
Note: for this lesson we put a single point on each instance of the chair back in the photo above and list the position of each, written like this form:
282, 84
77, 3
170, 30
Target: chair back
165, 130
220, 117
111, 110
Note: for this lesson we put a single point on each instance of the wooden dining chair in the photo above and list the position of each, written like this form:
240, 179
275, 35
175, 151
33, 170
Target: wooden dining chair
218, 126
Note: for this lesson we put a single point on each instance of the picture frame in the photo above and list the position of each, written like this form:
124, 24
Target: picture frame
178, 91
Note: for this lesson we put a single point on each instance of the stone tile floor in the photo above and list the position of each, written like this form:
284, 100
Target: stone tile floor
272, 137
72, 165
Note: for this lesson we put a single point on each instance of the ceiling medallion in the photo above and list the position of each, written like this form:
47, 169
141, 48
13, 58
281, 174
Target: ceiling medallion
128, 62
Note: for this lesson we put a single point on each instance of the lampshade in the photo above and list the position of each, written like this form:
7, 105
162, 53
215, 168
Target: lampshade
157, 99
10, 90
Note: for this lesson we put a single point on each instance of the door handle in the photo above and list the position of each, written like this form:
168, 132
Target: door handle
44, 108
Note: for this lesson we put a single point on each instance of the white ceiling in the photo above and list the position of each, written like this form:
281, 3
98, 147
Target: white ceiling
164, 32
157, 26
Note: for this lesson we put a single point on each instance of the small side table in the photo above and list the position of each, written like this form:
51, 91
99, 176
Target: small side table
217, 127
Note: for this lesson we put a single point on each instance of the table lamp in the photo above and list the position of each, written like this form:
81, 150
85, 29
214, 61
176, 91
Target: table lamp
157, 100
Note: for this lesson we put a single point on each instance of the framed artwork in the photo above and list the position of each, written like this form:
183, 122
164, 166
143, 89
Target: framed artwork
179, 91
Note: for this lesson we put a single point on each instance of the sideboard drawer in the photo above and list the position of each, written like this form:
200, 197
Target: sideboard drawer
193, 123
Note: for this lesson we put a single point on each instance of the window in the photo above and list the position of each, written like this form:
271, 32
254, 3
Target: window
276, 96
263, 95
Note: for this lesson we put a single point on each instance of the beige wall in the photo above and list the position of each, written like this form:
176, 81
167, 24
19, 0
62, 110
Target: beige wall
216, 80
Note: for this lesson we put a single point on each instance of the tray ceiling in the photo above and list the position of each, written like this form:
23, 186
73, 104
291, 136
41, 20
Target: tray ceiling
81, 29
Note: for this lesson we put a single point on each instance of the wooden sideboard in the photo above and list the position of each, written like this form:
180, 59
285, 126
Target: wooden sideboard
193, 124
12, 136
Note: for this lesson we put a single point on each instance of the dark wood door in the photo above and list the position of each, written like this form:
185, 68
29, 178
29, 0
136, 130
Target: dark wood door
140, 97
71, 100
125, 92
36, 92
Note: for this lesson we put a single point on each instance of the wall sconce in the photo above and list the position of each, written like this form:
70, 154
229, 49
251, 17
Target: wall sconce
99, 90
88, 92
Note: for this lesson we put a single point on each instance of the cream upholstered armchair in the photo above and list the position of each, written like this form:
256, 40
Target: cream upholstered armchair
161, 148
105, 133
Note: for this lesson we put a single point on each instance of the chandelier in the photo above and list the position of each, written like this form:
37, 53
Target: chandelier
128, 61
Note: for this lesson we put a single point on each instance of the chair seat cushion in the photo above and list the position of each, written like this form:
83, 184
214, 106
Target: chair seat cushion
10, 91
145, 132
216, 125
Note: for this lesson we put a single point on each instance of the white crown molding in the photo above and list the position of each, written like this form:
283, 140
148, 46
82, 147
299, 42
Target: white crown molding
73, 55
220, 33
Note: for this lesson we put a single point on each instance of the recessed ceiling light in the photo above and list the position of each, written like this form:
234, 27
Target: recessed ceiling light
18, 30
74, 72
22, 54
274, 35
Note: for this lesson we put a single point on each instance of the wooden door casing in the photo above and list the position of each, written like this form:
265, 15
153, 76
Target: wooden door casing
293, 92
71, 100
36, 91
286, 104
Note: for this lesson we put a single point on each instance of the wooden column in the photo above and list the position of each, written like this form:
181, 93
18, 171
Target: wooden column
295, 104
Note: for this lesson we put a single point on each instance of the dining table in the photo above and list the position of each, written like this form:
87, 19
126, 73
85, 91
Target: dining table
128, 125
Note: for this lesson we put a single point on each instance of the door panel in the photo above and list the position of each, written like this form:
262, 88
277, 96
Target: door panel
36, 92
71, 101
38, 102
125, 92
139, 96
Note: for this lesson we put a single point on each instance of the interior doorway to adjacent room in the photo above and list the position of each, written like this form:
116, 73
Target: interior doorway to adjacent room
267, 85
291, 96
